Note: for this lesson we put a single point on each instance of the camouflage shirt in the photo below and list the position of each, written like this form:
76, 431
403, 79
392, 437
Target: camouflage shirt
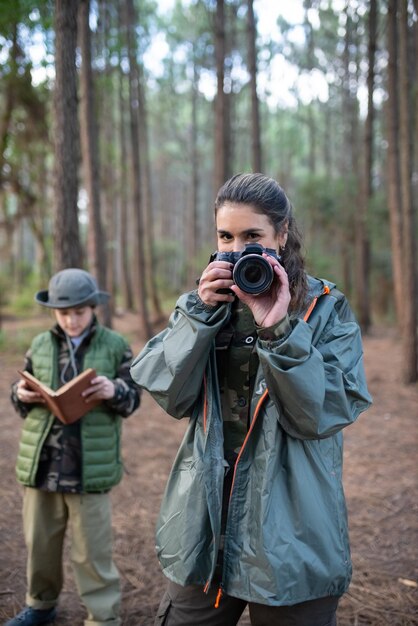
60, 461
237, 362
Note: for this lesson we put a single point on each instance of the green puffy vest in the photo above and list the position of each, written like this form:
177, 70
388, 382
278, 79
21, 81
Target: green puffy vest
100, 428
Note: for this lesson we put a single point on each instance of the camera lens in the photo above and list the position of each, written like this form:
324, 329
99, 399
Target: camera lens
253, 274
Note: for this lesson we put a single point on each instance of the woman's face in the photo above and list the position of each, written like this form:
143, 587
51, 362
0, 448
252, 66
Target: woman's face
74, 320
239, 224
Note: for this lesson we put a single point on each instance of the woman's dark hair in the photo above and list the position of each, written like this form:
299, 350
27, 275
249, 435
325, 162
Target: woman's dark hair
268, 198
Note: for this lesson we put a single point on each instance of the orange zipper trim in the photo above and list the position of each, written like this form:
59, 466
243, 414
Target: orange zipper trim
265, 394
313, 304
256, 413
310, 309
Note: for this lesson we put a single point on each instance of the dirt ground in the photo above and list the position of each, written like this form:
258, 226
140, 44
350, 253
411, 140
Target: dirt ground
381, 483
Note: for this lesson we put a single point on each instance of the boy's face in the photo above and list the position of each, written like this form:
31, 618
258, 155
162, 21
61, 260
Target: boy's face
74, 320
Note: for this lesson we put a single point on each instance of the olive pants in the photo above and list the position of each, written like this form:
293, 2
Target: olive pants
45, 519
190, 606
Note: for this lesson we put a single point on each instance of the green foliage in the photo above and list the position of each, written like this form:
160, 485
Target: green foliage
321, 262
168, 302
4, 290
18, 341
21, 301
18, 12
18, 304
202, 258
170, 266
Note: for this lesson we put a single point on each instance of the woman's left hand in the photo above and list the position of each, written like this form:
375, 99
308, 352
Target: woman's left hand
101, 389
271, 307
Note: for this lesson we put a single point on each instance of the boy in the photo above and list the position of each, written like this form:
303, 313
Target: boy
68, 470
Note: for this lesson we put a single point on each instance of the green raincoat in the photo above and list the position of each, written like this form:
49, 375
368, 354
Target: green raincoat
286, 536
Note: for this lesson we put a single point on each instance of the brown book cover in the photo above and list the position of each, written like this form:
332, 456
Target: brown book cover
66, 403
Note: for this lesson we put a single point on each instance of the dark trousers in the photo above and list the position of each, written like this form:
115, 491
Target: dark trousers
190, 606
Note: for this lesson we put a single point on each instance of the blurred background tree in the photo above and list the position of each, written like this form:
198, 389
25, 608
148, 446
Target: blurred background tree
173, 97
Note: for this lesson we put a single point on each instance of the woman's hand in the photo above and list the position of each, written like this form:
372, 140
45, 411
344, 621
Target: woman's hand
101, 388
25, 394
217, 275
270, 307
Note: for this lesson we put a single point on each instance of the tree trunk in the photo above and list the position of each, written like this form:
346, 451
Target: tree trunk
409, 325
136, 169
220, 162
393, 172
67, 246
149, 255
328, 144
256, 157
8, 103
415, 110
38, 221
123, 247
123, 244
310, 64
362, 235
106, 105
96, 250
349, 153
193, 235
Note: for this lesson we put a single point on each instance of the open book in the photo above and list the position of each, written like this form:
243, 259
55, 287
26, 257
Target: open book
66, 403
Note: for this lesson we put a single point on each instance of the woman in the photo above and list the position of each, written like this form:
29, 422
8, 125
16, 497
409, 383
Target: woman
254, 510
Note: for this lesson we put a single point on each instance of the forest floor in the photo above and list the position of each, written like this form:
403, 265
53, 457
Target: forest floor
380, 478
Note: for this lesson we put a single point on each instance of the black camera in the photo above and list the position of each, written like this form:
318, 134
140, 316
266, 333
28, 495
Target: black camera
252, 273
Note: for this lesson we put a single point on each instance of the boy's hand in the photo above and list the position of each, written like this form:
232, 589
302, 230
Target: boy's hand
26, 395
101, 389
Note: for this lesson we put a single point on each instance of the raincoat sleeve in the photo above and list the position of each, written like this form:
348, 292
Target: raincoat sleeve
315, 374
172, 364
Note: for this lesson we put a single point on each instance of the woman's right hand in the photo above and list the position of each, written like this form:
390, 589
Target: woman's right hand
25, 394
217, 275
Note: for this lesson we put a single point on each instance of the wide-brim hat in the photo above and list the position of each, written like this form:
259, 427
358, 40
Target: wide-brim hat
69, 288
